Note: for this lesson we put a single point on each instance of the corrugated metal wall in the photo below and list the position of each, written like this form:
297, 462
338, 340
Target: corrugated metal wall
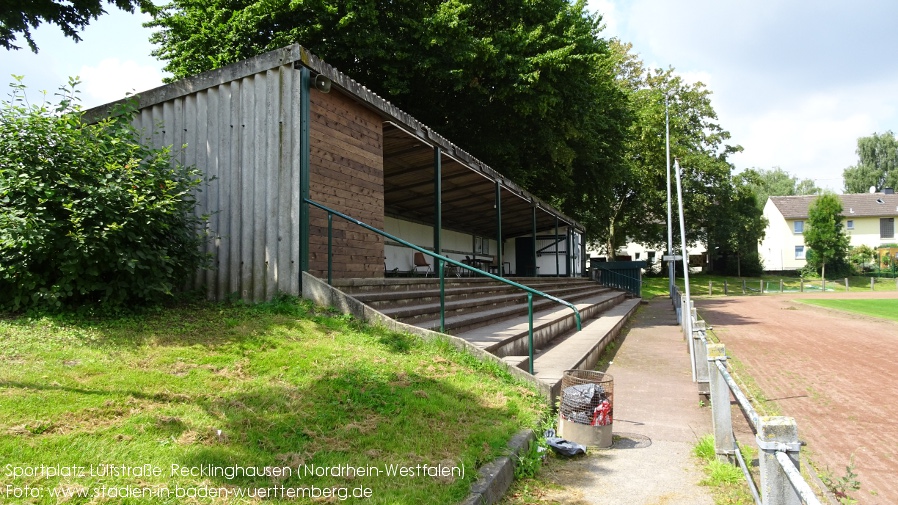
245, 136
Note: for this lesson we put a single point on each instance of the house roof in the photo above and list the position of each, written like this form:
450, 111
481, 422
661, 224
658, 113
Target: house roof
853, 205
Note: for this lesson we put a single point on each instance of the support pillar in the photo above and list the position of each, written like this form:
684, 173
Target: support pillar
499, 258
721, 414
535, 270
777, 434
304, 170
437, 200
557, 268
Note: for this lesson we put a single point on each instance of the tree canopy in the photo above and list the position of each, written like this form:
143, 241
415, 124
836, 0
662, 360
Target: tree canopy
877, 164
776, 182
19, 18
524, 86
531, 88
824, 234
639, 209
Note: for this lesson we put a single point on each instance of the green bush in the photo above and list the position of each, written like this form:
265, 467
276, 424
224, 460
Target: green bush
88, 215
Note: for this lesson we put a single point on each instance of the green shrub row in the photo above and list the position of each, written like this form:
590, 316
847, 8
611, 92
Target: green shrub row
89, 216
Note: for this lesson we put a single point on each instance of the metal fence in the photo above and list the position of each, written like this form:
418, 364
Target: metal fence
793, 285
781, 482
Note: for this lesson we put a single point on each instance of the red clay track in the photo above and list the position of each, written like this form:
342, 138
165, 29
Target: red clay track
835, 373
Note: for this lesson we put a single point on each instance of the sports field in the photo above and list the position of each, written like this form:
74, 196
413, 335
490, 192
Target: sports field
831, 370
886, 309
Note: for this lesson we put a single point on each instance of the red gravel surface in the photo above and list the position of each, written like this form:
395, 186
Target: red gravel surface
836, 373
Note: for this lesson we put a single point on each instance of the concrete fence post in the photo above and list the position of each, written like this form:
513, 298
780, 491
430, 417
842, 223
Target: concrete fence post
872, 282
700, 357
802, 285
846, 284
710, 289
777, 434
743, 286
721, 414
726, 290
781, 285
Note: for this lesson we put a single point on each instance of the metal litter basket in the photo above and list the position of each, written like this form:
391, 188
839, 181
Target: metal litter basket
586, 407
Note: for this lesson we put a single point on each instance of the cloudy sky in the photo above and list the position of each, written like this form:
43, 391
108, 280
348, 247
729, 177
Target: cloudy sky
796, 83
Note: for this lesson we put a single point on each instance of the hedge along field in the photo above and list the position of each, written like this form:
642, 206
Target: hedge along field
246, 389
89, 217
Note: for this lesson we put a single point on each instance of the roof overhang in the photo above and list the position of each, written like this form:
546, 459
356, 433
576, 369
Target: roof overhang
468, 185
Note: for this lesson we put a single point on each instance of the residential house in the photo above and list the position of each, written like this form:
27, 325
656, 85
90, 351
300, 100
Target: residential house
868, 219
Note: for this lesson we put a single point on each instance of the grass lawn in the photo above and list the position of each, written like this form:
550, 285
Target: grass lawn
885, 308
207, 399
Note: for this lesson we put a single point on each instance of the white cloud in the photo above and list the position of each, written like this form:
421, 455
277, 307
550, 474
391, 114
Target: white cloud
111, 79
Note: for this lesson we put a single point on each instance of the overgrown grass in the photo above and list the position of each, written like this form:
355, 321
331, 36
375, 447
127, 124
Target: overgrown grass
726, 480
885, 308
246, 387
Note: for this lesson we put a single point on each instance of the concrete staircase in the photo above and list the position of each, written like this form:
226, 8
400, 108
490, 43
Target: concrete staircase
493, 316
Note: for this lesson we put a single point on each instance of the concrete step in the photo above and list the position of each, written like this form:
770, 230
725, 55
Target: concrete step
358, 286
581, 349
467, 320
510, 337
428, 306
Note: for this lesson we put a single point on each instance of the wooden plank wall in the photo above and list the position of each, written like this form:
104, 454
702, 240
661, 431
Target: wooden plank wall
346, 175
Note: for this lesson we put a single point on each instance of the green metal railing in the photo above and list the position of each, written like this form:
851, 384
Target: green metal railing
441, 263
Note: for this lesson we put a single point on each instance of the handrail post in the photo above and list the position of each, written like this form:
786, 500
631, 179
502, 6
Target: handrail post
530, 331
442, 267
777, 434
701, 351
721, 415
330, 255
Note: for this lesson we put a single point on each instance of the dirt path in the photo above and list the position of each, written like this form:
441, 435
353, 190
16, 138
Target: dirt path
835, 373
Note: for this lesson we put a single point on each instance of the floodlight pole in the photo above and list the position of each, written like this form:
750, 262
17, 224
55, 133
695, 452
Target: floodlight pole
687, 305
671, 267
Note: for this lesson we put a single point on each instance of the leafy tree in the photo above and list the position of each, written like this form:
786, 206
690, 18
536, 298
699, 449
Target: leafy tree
88, 215
776, 182
877, 164
639, 195
863, 256
19, 18
824, 234
737, 229
527, 87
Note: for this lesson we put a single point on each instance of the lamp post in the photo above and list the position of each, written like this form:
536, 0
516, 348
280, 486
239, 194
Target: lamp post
671, 267
687, 306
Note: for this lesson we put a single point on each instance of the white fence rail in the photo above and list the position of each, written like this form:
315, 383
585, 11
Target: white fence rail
781, 482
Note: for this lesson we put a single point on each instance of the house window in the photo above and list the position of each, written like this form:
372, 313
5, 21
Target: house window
799, 252
887, 227
849, 224
637, 255
798, 226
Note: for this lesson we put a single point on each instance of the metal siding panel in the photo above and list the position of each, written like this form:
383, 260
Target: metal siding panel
205, 130
189, 129
288, 184
217, 148
247, 153
235, 174
259, 174
272, 145
244, 135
